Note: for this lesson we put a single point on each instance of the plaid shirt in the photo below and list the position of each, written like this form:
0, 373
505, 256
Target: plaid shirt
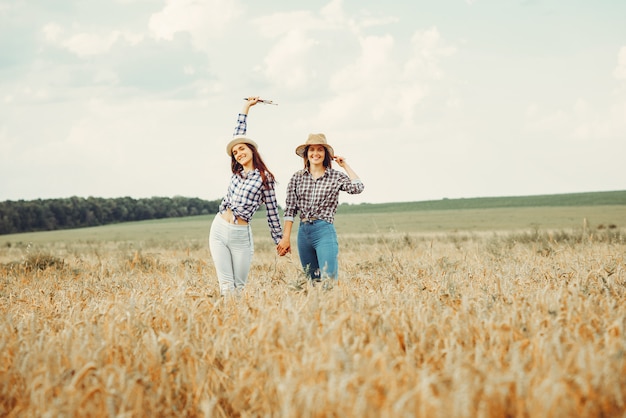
241, 127
246, 194
318, 198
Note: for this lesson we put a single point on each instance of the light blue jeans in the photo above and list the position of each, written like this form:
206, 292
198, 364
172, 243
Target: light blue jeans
232, 248
318, 249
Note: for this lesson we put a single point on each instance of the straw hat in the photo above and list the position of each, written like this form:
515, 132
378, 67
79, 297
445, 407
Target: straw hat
239, 139
315, 139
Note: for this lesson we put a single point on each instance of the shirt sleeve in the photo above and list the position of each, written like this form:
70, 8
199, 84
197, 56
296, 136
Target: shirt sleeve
273, 219
355, 186
291, 203
242, 125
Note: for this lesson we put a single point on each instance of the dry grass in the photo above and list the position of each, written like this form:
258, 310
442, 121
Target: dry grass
456, 325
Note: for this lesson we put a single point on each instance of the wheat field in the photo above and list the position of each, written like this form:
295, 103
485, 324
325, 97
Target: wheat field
519, 324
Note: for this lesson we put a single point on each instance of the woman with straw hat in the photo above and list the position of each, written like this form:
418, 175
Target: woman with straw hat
251, 184
314, 193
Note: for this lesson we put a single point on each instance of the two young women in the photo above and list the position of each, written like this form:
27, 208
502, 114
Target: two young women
312, 191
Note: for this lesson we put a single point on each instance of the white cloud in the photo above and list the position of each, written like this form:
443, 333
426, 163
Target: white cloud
620, 70
30, 91
428, 49
371, 70
378, 80
582, 122
120, 146
304, 45
86, 44
169, 76
202, 19
309, 48
279, 24
370, 85
105, 76
333, 14
52, 32
550, 123
4, 7
330, 19
333, 11
386, 83
287, 63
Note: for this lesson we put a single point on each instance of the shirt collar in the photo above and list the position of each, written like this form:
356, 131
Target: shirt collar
326, 171
249, 173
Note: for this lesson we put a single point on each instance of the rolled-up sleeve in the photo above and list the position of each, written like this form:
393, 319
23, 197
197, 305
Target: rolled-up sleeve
242, 124
273, 218
291, 203
355, 186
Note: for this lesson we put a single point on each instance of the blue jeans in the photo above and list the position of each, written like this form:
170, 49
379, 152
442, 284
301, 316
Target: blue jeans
318, 249
232, 248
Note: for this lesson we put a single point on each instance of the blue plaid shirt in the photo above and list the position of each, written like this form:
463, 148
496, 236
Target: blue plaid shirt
241, 127
318, 198
246, 194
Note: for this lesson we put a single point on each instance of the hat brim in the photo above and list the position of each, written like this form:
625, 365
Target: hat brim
239, 139
301, 148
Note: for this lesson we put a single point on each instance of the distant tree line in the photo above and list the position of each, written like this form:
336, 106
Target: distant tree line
76, 212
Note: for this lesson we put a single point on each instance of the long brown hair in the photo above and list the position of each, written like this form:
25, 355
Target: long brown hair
328, 162
267, 177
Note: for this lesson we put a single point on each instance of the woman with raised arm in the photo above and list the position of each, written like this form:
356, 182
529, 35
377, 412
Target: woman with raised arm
251, 184
314, 193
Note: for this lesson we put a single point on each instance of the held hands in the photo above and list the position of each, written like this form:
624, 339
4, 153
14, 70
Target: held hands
283, 247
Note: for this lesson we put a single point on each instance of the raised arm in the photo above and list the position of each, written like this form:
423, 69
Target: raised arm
344, 164
242, 118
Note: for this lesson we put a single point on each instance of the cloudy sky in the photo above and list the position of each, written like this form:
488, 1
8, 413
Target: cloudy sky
425, 99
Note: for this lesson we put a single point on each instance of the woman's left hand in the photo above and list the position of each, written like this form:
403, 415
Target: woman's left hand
340, 160
344, 164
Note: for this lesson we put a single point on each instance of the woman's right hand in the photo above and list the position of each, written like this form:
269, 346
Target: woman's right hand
251, 101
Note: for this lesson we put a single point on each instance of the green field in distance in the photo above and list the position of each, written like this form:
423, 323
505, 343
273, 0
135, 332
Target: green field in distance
551, 212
